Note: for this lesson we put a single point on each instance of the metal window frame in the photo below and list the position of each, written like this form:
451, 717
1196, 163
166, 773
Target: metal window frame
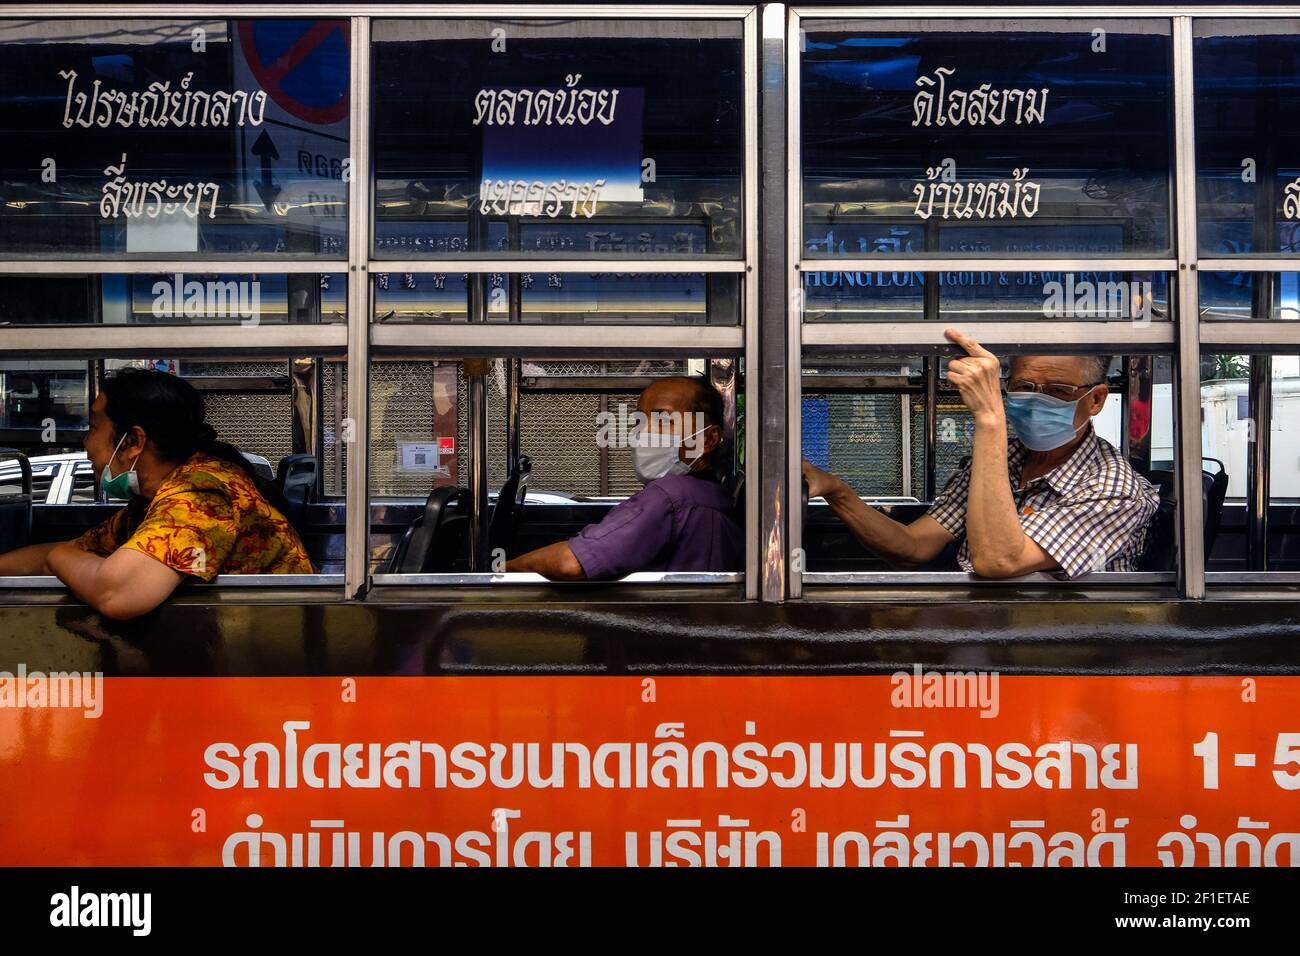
772, 334
1179, 335
463, 339
361, 334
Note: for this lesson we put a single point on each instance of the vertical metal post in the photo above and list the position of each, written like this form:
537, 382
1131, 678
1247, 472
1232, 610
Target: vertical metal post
355, 429
514, 398
722, 376
1258, 460
476, 371
514, 366
1187, 364
1260, 387
1139, 376
304, 386
905, 445
755, 541
931, 425
777, 421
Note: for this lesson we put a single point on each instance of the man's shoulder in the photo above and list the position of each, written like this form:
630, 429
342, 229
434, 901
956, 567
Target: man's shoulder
1112, 473
685, 490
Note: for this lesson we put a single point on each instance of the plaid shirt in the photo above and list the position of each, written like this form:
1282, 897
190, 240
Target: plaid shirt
1090, 513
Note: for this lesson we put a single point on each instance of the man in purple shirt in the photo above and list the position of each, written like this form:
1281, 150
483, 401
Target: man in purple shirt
681, 520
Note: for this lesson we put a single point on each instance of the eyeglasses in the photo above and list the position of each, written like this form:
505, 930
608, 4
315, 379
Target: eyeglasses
1061, 390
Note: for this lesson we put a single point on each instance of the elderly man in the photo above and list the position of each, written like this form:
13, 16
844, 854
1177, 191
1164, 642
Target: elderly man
1056, 496
681, 520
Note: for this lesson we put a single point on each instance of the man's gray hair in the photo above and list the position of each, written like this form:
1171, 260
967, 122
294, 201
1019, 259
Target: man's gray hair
1095, 368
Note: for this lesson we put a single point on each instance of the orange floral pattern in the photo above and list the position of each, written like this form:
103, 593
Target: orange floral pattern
207, 518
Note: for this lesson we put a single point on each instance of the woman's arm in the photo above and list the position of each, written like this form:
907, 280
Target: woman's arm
26, 561
126, 584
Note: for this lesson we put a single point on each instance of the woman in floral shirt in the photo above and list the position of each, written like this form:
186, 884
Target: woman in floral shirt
195, 508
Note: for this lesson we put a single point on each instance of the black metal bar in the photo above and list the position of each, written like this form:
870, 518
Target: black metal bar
1260, 403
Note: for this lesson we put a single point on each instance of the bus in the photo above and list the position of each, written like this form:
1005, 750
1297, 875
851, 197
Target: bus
413, 261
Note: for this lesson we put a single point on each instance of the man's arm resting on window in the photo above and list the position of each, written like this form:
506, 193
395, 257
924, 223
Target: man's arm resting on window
26, 561
1008, 562
126, 584
903, 545
555, 561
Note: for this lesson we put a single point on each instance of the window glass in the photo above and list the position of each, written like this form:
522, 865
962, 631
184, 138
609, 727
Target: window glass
1247, 76
574, 416
578, 138
1226, 296
1228, 428
865, 419
970, 137
268, 407
178, 298
1010, 294
562, 298
174, 138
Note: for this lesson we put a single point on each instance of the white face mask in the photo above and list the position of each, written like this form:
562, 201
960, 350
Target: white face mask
655, 454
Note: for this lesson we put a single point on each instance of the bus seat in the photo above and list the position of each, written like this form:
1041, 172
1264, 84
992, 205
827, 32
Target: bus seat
803, 501
16, 507
508, 511
433, 541
1162, 538
735, 486
296, 478
1216, 491
1161, 548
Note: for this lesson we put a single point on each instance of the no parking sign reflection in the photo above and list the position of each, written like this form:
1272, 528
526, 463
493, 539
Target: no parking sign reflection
292, 167
301, 64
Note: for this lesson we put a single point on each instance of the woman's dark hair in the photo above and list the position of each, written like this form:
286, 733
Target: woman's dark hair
170, 410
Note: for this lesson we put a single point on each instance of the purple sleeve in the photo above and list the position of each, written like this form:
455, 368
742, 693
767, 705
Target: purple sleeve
627, 539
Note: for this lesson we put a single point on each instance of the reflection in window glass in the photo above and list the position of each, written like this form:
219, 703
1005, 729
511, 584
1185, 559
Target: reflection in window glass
929, 137
265, 406
1248, 295
562, 298
1247, 159
576, 138
188, 298
174, 138
987, 296
858, 421
1228, 429
1228, 423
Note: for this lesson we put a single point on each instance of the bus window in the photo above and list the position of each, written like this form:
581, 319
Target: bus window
284, 416
916, 136
595, 138
562, 298
179, 298
555, 439
893, 435
176, 139
1248, 409
1012, 293
1247, 74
